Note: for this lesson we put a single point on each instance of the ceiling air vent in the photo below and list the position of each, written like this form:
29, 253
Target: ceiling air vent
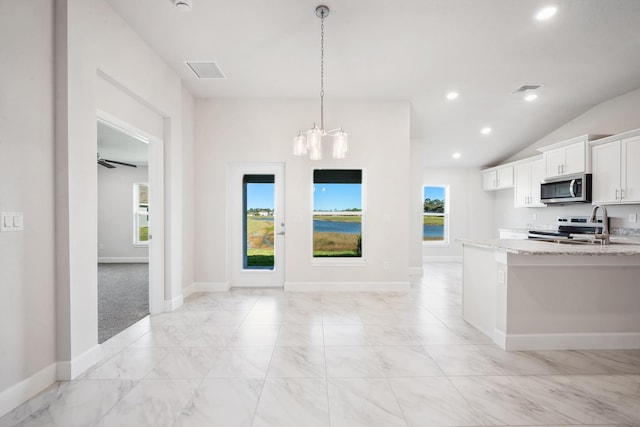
525, 88
206, 69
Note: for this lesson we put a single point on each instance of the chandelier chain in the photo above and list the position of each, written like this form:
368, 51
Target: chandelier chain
322, 72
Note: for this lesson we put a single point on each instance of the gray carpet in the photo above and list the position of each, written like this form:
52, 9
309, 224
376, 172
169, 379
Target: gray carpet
123, 297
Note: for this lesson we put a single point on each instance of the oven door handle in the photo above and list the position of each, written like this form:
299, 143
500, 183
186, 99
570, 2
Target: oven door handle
571, 188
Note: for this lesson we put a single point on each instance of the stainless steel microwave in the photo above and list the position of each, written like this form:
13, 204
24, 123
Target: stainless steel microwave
566, 189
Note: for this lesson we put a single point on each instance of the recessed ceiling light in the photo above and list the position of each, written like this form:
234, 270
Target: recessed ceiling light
456, 155
452, 95
531, 97
546, 13
485, 130
183, 5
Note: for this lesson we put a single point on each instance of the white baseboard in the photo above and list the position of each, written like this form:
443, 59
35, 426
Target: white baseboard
19, 393
121, 260
568, 341
347, 286
174, 303
205, 287
441, 259
69, 370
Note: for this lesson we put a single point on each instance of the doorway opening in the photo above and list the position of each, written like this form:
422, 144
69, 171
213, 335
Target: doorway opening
123, 229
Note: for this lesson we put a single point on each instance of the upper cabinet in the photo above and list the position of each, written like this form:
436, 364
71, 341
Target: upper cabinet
568, 157
497, 178
528, 175
616, 169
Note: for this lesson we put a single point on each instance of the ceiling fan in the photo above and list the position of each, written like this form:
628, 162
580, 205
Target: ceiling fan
107, 163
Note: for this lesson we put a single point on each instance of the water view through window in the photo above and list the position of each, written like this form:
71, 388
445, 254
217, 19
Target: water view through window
337, 213
434, 214
259, 199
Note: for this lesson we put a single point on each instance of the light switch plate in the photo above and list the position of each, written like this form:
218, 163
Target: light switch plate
11, 221
633, 217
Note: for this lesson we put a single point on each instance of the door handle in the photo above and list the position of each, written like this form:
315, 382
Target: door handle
281, 233
571, 188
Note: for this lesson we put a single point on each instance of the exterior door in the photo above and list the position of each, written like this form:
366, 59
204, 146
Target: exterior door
256, 219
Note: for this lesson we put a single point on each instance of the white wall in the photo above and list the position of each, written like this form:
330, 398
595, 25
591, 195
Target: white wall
416, 206
469, 208
115, 212
93, 42
617, 115
188, 191
27, 329
230, 131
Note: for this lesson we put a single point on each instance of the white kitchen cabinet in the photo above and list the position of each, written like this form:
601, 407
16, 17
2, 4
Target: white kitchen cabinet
616, 170
568, 157
527, 183
566, 160
497, 178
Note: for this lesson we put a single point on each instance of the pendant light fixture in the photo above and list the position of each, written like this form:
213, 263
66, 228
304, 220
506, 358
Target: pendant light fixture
311, 140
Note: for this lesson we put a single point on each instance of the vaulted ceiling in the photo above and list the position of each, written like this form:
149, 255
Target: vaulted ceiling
414, 50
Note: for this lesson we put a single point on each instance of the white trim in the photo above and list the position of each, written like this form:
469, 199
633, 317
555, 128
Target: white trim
19, 393
416, 272
123, 260
205, 287
499, 338
347, 286
428, 258
174, 303
568, 341
70, 370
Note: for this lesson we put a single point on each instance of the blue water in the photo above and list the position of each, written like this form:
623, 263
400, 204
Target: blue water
336, 227
433, 231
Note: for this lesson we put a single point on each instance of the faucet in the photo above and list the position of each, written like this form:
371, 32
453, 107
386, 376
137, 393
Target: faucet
604, 236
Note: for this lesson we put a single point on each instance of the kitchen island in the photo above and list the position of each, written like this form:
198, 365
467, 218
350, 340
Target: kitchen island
536, 295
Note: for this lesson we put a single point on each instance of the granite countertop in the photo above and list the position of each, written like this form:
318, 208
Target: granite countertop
619, 246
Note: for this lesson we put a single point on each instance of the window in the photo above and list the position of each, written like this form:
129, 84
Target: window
435, 228
258, 230
337, 213
141, 214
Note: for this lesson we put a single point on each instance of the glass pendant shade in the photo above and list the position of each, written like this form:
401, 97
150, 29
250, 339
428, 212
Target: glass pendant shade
300, 145
314, 143
340, 145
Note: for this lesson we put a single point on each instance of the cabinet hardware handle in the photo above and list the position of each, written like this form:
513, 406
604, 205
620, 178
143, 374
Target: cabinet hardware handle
621, 193
616, 194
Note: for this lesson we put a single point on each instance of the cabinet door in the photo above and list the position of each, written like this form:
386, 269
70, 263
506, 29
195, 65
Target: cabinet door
489, 180
631, 170
606, 173
574, 158
554, 161
522, 190
505, 177
537, 175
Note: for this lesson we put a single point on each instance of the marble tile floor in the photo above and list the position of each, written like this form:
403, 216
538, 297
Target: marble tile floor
270, 358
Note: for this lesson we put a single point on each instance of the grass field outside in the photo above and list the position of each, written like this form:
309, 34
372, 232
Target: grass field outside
260, 252
143, 235
338, 218
432, 220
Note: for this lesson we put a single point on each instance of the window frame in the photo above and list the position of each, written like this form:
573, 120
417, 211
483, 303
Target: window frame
342, 261
446, 215
136, 213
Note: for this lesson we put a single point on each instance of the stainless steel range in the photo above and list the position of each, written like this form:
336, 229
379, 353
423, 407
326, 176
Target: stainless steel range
569, 228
